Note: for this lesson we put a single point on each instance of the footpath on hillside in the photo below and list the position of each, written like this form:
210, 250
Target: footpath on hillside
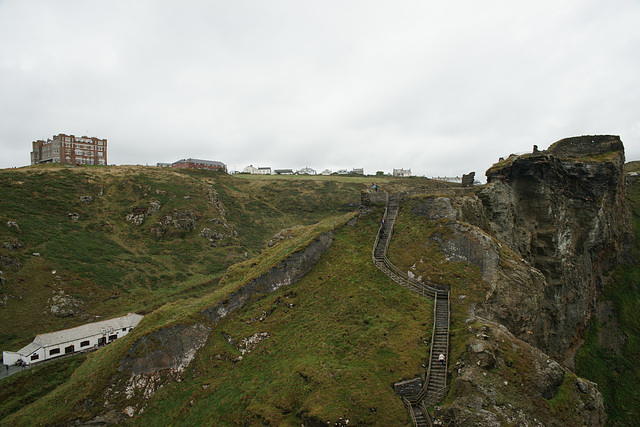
434, 384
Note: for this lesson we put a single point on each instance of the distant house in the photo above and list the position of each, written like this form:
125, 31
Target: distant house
283, 171
250, 169
199, 164
358, 171
326, 172
69, 341
306, 171
163, 165
343, 172
264, 171
402, 172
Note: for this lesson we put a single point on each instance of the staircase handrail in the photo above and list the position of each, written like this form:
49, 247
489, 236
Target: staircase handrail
425, 386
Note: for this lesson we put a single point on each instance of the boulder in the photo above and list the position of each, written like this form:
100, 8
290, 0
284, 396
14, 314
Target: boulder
63, 305
13, 246
6, 261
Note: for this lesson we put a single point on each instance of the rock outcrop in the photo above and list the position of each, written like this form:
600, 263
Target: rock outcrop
563, 212
289, 271
63, 305
501, 380
543, 230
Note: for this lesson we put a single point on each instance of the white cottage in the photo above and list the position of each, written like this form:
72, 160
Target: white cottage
67, 341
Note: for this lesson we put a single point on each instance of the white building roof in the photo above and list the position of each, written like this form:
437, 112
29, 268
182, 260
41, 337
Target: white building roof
85, 331
29, 349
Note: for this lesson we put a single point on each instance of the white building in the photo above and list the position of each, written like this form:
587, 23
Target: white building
264, 171
283, 171
250, 169
326, 172
402, 172
68, 341
358, 171
306, 171
343, 172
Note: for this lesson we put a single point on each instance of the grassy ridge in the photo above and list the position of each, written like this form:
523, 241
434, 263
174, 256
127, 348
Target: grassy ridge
113, 266
339, 338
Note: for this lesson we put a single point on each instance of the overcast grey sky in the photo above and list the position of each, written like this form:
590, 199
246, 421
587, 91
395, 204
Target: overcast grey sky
442, 88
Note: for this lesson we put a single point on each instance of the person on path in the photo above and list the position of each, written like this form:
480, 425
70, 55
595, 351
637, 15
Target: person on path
441, 359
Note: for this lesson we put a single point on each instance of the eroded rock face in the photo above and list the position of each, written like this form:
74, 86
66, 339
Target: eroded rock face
149, 364
502, 380
562, 211
168, 348
289, 271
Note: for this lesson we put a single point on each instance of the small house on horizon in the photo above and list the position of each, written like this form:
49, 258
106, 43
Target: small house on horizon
283, 171
402, 172
307, 171
194, 164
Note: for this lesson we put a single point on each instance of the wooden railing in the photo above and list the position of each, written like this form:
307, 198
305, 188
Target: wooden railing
426, 396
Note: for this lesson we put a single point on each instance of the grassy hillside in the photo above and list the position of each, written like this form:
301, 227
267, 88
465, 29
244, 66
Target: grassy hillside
110, 266
338, 340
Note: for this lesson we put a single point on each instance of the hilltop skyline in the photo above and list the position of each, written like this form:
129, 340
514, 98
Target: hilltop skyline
440, 89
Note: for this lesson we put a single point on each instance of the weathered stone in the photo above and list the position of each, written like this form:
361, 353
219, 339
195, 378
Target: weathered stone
289, 271
408, 388
468, 179
74, 216
154, 207
435, 208
249, 343
86, 199
168, 348
13, 224
486, 394
13, 246
565, 215
63, 305
6, 261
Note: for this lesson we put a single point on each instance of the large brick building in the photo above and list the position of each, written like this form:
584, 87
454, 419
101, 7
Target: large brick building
196, 164
70, 149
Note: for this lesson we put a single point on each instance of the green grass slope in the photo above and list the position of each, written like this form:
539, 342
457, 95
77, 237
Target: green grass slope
111, 266
338, 340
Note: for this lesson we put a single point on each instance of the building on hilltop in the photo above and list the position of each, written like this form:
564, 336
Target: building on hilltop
250, 169
358, 171
402, 172
69, 341
283, 171
306, 171
70, 149
264, 171
196, 164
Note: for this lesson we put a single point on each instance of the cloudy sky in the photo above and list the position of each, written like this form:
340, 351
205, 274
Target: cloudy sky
443, 87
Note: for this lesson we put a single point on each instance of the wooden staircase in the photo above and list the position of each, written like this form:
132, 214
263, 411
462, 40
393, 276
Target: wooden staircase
435, 384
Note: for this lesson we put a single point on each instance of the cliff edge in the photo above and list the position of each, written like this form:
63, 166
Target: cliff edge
563, 212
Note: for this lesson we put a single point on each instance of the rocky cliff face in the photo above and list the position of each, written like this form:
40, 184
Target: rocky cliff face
563, 213
502, 380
